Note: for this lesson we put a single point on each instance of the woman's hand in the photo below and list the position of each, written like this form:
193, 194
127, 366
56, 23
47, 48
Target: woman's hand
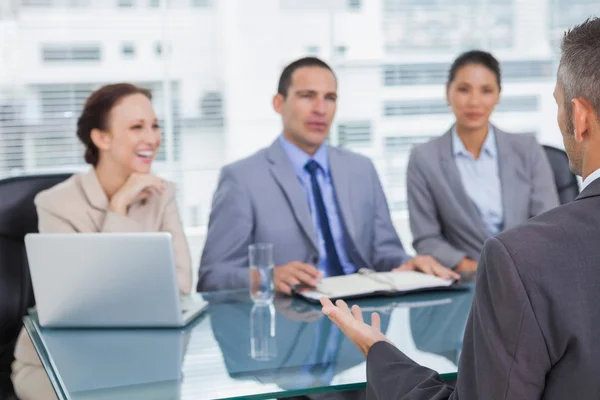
137, 187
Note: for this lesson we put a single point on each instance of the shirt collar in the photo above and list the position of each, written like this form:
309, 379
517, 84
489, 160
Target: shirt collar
590, 178
489, 145
299, 158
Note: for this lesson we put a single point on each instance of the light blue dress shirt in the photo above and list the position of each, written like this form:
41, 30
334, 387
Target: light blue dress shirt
481, 179
299, 159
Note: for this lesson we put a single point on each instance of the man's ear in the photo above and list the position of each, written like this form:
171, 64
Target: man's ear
278, 101
582, 112
101, 139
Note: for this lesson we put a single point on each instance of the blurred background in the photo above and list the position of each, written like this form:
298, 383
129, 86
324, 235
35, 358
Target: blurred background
213, 67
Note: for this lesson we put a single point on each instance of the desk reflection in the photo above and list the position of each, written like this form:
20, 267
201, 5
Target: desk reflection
306, 351
114, 363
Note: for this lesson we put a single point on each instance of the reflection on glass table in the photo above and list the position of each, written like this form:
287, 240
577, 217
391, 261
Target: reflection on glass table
241, 350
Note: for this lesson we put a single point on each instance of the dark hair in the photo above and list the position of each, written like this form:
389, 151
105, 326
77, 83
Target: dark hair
475, 57
285, 80
96, 111
579, 70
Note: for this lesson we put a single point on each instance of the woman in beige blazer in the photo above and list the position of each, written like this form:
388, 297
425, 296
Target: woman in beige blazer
120, 132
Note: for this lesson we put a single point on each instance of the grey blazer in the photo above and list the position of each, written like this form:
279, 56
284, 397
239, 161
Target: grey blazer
444, 221
533, 328
260, 199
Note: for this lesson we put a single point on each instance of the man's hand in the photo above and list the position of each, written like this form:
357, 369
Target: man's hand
352, 324
466, 265
295, 273
428, 265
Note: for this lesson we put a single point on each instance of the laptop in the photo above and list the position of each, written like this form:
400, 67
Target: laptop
124, 280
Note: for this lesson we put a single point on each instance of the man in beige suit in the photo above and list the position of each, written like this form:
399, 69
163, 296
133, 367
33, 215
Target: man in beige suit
120, 131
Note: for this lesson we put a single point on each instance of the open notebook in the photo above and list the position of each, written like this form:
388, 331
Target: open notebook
368, 283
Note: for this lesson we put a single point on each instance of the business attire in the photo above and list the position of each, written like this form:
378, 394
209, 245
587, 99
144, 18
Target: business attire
79, 204
328, 210
456, 202
532, 330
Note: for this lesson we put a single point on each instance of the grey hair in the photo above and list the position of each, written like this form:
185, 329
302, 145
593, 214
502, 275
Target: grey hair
579, 70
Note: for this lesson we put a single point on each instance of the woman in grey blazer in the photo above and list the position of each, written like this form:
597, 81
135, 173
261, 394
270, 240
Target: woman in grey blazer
475, 180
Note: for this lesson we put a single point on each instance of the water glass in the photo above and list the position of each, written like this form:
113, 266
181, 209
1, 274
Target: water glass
263, 344
262, 286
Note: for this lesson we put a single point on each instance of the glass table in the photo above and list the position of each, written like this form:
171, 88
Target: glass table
237, 350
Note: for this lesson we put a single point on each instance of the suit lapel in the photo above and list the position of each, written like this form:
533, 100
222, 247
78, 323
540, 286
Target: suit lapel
283, 173
453, 177
96, 197
507, 171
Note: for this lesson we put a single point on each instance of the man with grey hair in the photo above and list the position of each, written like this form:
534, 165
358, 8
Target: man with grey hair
534, 327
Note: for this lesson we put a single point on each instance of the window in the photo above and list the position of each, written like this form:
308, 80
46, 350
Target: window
341, 50
415, 74
201, 3
128, 50
354, 4
437, 74
354, 133
518, 104
415, 107
36, 3
126, 3
312, 50
448, 25
213, 101
396, 153
77, 52
211, 109
438, 106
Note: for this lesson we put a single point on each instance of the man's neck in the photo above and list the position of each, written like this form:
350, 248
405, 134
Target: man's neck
310, 150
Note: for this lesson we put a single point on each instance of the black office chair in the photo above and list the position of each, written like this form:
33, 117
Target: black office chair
565, 181
17, 218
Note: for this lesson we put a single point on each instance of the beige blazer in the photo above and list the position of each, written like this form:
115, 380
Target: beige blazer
79, 204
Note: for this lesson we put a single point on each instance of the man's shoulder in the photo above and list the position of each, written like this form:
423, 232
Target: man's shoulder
552, 232
248, 165
350, 157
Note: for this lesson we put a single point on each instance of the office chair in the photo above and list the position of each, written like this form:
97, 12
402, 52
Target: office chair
17, 218
565, 181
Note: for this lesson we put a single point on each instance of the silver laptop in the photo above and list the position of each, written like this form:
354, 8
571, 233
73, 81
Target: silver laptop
107, 280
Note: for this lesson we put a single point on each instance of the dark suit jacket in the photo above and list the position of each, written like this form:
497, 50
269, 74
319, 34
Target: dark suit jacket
534, 328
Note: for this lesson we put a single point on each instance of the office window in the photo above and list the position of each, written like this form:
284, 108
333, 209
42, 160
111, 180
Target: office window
518, 104
414, 107
394, 108
354, 133
212, 82
354, 4
523, 71
448, 25
76, 52
312, 50
211, 109
396, 153
128, 50
201, 3
415, 74
36, 3
341, 50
